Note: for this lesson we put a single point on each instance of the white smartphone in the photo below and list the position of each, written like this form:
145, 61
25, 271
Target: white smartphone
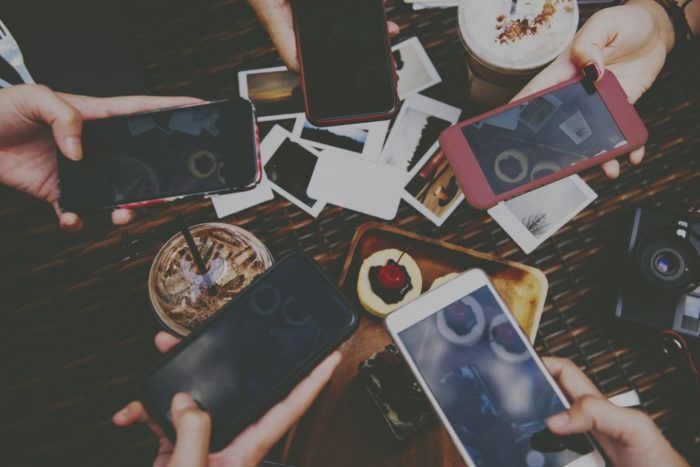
483, 378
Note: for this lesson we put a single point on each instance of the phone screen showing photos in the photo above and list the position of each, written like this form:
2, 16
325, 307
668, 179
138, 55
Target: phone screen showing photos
345, 56
188, 150
489, 386
542, 136
255, 345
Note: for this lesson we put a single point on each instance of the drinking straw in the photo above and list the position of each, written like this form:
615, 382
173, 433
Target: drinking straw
193, 248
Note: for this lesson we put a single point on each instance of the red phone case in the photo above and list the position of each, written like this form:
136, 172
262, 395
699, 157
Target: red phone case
471, 176
344, 120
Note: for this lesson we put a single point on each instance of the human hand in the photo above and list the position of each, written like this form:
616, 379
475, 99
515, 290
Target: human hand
630, 40
276, 16
34, 119
193, 426
628, 436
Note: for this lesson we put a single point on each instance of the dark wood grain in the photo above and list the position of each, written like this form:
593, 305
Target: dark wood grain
76, 330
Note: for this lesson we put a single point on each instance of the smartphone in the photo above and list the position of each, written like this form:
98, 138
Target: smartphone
483, 378
347, 68
254, 350
166, 154
542, 138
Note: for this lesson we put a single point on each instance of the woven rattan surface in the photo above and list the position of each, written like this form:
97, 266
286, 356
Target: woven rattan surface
76, 330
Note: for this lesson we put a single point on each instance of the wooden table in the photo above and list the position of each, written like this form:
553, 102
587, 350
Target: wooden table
76, 325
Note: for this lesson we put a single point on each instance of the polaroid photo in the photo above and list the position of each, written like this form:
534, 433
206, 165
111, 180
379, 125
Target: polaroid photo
225, 205
433, 188
275, 92
361, 139
576, 128
535, 216
286, 123
289, 166
537, 112
415, 130
353, 183
414, 70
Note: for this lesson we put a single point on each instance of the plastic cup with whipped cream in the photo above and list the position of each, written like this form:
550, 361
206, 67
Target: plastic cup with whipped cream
508, 42
183, 298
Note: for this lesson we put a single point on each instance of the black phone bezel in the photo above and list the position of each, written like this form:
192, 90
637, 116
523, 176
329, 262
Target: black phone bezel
221, 439
71, 206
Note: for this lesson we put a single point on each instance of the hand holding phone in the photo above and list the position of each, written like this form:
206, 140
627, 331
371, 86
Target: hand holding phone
542, 138
253, 351
347, 67
142, 158
483, 378
28, 111
252, 444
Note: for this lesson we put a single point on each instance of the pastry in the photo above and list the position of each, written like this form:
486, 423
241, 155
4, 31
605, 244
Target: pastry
542, 169
462, 322
388, 279
505, 341
443, 279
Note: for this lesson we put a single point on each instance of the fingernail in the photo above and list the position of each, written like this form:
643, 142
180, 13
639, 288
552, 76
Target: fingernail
593, 71
558, 421
73, 146
182, 401
122, 413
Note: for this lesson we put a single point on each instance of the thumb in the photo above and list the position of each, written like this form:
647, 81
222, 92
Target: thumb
193, 428
41, 104
598, 415
589, 43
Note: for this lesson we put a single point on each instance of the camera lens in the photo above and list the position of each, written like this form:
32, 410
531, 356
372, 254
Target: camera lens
667, 264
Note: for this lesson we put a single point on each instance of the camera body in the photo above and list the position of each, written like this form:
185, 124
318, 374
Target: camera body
660, 276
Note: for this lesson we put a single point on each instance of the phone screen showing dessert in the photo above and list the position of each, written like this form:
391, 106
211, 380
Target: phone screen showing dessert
255, 345
542, 136
159, 154
488, 385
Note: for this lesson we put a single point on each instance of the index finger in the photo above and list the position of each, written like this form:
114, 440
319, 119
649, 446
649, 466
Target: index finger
103, 107
570, 378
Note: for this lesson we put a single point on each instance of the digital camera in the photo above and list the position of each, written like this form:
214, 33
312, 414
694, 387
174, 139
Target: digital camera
659, 281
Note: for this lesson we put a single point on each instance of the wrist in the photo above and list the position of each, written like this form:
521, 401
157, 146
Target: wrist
662, 21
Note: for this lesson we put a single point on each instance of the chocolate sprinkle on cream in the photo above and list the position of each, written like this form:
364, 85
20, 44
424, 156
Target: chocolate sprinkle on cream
515, 29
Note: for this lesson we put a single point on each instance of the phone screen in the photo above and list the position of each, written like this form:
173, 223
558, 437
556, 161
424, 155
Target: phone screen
345, 57
189, 150
542, 136
263, 339
488, 384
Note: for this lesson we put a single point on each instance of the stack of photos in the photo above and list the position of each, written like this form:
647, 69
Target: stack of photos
367, 167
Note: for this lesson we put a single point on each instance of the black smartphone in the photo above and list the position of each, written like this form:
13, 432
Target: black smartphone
166, 154
254, 350
347, 68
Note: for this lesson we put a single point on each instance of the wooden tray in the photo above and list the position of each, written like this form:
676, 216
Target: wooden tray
523, 288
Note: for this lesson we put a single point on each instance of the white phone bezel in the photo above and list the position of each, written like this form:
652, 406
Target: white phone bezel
436, 299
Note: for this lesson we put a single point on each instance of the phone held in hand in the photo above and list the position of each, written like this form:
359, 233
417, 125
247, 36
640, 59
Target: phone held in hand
160, 155
483, 378
347, 68
542, 138
253, 351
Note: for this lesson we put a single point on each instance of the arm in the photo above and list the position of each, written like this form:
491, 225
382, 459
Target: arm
276, 16
34, 120
193, 426
631, 40
628, 437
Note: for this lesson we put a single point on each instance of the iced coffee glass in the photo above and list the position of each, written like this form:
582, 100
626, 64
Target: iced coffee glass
183, 298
